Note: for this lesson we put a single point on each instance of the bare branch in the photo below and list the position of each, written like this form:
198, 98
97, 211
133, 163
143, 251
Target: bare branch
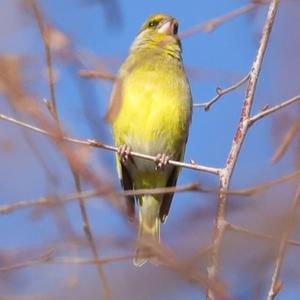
97, 74
275, 282
225, 176
98, 144
89, 261
46, 42
29, 297
48, 258
264, 186
41, 258
256, 234
287, 139
88, 232
167, 259
45, 34
163, 255
192, 187
273, 109
51, 200
210, 25
219, 93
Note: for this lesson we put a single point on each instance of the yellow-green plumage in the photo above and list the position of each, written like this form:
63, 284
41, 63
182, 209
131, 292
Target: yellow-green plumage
153, 117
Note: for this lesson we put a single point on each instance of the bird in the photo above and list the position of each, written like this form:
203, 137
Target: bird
150, 112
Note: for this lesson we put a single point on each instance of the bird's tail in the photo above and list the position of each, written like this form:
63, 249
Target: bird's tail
149, 228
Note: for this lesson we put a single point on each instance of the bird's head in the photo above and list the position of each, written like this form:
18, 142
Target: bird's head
160, 24
159, 30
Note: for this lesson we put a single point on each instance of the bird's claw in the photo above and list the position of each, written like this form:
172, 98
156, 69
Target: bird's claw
124, 152
161, 161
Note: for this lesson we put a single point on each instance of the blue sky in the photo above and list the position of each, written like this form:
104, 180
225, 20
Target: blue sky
216, 59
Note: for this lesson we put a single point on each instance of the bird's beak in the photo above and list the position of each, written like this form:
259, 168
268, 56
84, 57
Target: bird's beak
167, 27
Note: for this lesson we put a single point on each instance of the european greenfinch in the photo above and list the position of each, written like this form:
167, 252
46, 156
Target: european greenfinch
150, 112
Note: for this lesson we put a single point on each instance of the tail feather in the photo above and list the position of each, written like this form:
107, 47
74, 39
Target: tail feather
149, 230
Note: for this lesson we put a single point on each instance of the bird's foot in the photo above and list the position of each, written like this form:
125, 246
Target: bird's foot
124, 152
161, 161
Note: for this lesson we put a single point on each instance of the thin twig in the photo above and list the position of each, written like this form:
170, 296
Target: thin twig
167, 259
286, 141
29, 297
46, 42
40, 259
97, 74
210, 25
89, 261
87, 230
273, 109
290, 220
98, 144
192, 187
9, 208
225, 176
257, 234
49, 259
219, 93
264, 186
45, 34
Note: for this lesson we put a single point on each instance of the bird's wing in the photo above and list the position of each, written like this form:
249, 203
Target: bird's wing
127, 184
167, 199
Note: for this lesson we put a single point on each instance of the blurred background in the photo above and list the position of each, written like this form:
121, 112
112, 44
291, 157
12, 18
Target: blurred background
96, 35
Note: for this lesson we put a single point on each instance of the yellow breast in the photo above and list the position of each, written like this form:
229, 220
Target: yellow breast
155, 107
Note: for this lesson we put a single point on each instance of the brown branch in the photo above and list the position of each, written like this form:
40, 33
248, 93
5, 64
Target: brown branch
273, 109
98, 144
290, 220
89, 261
256, 234
286, 141
48, 258
225, 176
166, 258
45, 34
40, 259
30, 297
97, 74
210, 25
90, 237
264, 186
219, 93
51, 201
192, 187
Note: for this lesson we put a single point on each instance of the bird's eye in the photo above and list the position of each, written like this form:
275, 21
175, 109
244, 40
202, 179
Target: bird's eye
153, 23
175, 28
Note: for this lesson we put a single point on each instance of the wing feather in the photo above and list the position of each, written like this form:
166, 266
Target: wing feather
167, 199
127, 184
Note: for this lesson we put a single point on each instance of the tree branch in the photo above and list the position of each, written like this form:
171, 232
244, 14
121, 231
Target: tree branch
287, 139
275, 282
210, 25
41, 258
219, 93
225, 176
192, 187
97, 74
46, 42
240, 229
98, 144
273, 109
48, 258
45, 34
264, 186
